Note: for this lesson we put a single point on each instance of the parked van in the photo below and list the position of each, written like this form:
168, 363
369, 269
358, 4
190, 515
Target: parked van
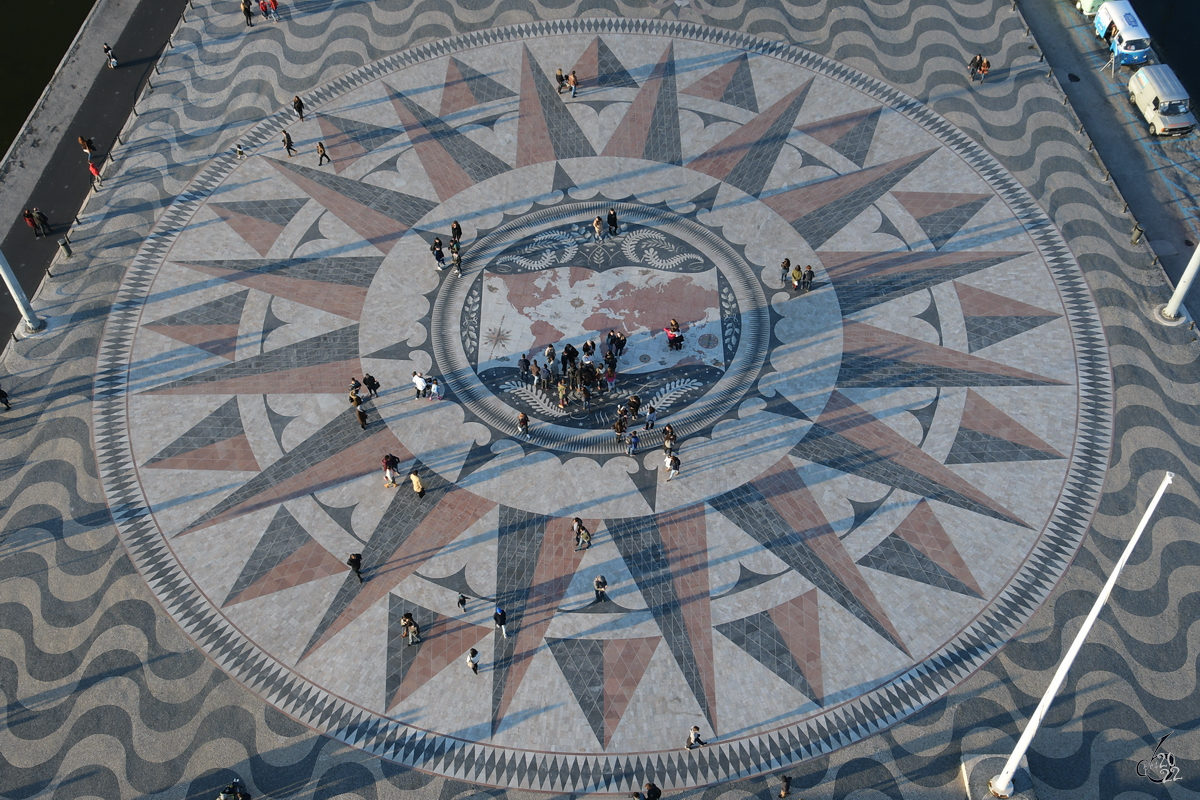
1088, 7
1124, 33
1162, 100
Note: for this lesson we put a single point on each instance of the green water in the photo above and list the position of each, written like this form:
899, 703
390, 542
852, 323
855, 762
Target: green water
46, 28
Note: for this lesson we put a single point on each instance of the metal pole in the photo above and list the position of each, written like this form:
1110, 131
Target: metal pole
32, 321
1171, 312
1001, 785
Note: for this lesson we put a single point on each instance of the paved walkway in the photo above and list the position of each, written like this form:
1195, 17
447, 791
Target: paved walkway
883, 478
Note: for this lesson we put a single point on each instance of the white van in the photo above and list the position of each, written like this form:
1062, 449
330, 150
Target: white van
1162, 101
1122, 32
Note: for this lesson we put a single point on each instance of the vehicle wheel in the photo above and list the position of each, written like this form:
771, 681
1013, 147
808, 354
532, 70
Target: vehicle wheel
1153, 130
1132, 100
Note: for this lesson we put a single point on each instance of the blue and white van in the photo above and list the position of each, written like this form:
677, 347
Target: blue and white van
1123, 32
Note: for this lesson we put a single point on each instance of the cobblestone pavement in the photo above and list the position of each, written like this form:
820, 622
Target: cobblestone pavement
854, 579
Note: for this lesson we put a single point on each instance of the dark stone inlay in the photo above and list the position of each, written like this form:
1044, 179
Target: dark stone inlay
219, 426
760, 638
566, 137
283, 537
871, 371
368, 137
611, 73
662, 141
755, 167
942, 226
340, 270
748, 579
582, 664
483, 88
985, 331
279, 212
519, 544
477, 162
897, 557
975, 447
405, 209
222, 311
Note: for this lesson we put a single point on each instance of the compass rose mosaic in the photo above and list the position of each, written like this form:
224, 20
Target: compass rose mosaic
882, 476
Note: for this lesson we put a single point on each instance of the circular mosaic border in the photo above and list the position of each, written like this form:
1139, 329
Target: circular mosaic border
379, 735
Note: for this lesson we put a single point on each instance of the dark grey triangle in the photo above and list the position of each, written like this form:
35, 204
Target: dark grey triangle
477, 162
752, 171
759, 637
897, 557
930, 315
985, 331
400, 351
283, 537
924, 415
401, 657
863, 511
369, 137
222, 311
740, 91
483, 88
582, 664
974, 447
646, 481
706, 199
342, 270
477, 457
404, 208
278, 422
519, 543
941, 226
612, 73
860, 371
824, 446
279, 212
313, 234
271, 323
856, 143
327, 348
219, 426
663, 143
873, 289
566, 136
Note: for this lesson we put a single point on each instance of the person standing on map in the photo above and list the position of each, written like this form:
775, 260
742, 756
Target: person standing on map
613, 227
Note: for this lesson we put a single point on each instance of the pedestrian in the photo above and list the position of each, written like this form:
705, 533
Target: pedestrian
411, 628
549, 354
610, 377
246, 12
419, 383
438, 255
89, 147
4, 400
501, 620
523, 424
621, 342
371, 384
462, 602
598, 229
573, 82
578, 528
390, 465
110, 58
96, 181
809, 275
797, 278
785, 268
455, 232
536, 372
613, 227
523, 367
239, 152
984, 69
361, 416
560, 79
32, 223
694, 739
634, 440
668, 434
600, 585
619, 428
473, 660
265, 10
562, 393
651, 418
355, 564
456, 260
586, 394
297, 103
649, 792
287, 144
355, 400
672, 467
274, 9
635, 405
355, 384
322, 156
418, 487
973, 66
435, 390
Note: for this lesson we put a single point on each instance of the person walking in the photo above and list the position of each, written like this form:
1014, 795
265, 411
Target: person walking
361, 415
110, 58
274, 9
355, 564
265, 10
984, 68
32, 223
435, 390
598, 229
411, 629
96, 179
973, 66
246, 12
355, 400
473, 660
610, 377
418, 487
239, 152
462, 602
600, 585
390, 465
322, 156
297, 103
455, 232
809, 275
634, 441
419, 383
438, 255
797, 278
668, 434
579, 529
89, 147
288, 144
371, 384
693, 739
672, 466
573, 82
523, 424
651, 418
560, 79
501, 620
4, 400
613, 227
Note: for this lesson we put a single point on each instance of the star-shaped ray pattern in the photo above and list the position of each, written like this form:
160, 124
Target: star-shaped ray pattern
746, 157
650, 127
258, 222
535, 562
381, 216
452, 161
444, 640
731, 83
850, 439
874, 357
992, 318
785, 639
546, 131
285, 556
603, 675
335, 284
599, 67
987, 435
322, 363
347, 140
850, 135
411, 531
779, 511
211, 326
667, 556
819, 210
216, 442
941, 214
921, 550
319, 462
466, 87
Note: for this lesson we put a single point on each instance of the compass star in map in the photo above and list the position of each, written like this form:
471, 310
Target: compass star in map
881, 476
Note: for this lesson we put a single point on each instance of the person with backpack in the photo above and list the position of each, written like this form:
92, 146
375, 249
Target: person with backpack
390, 465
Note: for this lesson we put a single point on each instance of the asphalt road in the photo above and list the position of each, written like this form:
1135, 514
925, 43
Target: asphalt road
63, 186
